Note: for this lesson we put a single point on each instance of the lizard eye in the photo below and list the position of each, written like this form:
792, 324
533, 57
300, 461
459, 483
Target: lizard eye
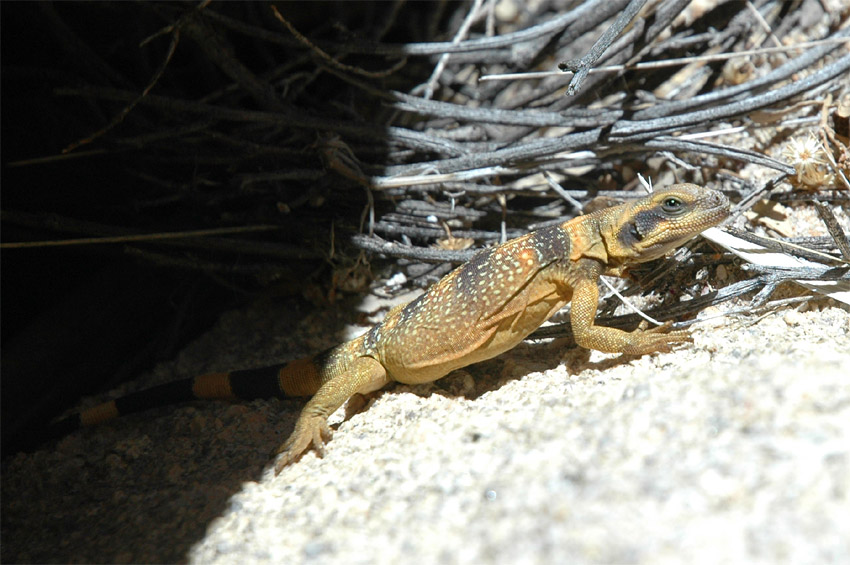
673, 205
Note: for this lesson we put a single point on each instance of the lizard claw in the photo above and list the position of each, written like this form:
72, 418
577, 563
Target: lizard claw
660, 338
310, 430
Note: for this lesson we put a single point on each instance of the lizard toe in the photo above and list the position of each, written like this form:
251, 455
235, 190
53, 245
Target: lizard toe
309, 432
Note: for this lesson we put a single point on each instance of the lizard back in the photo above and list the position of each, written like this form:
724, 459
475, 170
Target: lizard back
481, 309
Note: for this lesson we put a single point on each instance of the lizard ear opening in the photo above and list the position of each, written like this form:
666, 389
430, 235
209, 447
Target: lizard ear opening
634, 232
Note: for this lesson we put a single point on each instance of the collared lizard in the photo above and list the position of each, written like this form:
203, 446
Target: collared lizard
480, 310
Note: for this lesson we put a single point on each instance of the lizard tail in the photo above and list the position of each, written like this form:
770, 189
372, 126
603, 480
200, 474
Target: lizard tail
296, 378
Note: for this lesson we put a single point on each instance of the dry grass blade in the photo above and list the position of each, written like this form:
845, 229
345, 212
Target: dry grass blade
254, 130
837, 288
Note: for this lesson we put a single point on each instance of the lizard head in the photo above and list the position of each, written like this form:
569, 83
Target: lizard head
648, 228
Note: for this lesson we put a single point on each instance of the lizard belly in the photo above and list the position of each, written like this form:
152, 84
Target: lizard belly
434, 350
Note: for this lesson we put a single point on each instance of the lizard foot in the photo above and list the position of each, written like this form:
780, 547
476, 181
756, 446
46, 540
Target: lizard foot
310, 430
658, 339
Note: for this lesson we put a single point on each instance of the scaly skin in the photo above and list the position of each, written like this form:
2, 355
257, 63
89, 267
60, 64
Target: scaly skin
481, 309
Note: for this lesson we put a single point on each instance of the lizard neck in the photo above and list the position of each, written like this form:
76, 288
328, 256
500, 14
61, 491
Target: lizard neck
595, 236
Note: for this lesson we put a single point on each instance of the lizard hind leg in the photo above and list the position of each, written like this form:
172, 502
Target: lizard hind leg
365, 374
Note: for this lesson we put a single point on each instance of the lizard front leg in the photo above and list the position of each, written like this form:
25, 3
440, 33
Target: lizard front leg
611, 340
364, 375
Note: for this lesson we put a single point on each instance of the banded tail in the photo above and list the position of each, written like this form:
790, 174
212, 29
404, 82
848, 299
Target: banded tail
301, 377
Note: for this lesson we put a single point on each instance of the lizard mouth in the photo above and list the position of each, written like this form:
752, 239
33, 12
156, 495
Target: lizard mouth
718, 213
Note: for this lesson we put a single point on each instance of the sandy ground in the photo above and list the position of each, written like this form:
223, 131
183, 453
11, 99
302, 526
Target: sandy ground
734, 448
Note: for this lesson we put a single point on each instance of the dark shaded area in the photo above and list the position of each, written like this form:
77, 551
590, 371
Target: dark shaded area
84, 317
74, 318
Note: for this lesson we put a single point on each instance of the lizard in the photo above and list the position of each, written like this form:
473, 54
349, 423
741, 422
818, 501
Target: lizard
481, 309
